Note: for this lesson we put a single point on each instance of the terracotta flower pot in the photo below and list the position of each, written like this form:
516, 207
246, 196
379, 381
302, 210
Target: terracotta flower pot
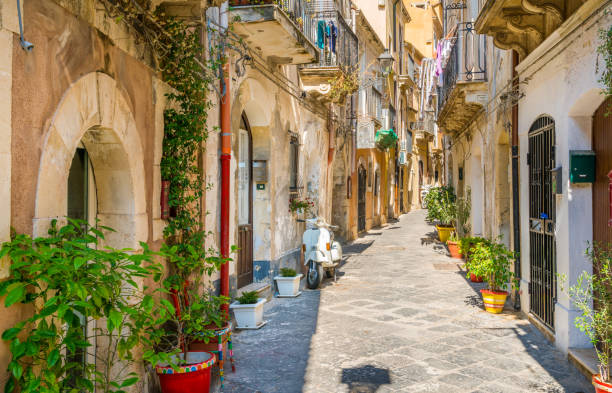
475, 278
453, 248
194, 377
494, 300
600, 386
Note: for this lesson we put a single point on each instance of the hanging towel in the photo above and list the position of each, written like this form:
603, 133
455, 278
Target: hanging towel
321, 34
334, 35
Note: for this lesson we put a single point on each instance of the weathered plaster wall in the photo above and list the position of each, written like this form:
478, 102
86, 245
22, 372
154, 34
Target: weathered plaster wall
566, 64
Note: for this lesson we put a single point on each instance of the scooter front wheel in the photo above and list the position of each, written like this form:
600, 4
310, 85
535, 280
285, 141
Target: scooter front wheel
315, 275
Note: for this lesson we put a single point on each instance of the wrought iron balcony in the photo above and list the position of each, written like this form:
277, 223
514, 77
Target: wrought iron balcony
277, 29
467, 61
337, 48
463, 91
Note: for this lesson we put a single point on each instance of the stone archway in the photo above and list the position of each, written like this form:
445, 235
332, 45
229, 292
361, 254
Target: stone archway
94, 112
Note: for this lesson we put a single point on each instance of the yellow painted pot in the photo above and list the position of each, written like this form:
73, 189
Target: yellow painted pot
493, 300
444, 233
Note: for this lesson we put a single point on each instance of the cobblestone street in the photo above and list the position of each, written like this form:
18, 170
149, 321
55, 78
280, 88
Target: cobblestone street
400, 318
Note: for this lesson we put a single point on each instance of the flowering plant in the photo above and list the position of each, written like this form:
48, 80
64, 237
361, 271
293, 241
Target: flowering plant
296, 204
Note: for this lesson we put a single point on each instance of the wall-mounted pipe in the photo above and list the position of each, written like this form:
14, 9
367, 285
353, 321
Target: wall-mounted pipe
27, 46
516, 220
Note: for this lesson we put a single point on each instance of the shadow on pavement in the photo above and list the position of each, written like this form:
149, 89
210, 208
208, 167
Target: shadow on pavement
365, 379
274, 358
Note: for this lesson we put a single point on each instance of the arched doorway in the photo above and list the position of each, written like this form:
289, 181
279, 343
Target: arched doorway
107, 132
542, 209
244, 267
361, 199
602, 145
92, 168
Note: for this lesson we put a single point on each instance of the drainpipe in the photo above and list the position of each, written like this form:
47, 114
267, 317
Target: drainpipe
516, 221
226, 155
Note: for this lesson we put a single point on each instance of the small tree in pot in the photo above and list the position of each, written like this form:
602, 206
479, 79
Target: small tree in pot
442, 207
592, 295
492, 261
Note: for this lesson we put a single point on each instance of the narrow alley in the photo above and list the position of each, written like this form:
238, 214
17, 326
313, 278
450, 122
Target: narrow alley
401, 318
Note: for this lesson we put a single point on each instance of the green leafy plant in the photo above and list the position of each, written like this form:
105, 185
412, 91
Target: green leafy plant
305, 204
441, 205
492, 261
466, 243
453, 237
248, 298
464, 208
79, 293
344, 84
287, 272
592, 296
605, 50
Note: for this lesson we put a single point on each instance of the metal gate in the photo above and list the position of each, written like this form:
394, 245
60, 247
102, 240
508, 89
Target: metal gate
542, 206
361, 201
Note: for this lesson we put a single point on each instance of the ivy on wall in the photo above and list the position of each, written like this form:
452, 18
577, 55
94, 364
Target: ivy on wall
605, 50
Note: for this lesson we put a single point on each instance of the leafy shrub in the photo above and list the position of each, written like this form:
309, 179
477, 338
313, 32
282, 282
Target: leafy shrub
441, 205
592, 296
287, 272
492, 261
248, 298
67, 279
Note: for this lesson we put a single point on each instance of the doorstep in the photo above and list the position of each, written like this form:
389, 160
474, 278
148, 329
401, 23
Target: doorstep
585, 360
263, 289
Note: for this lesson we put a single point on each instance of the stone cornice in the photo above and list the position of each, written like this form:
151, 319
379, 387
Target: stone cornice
523, 25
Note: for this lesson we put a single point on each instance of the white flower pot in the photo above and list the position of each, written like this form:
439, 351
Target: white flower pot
288, 286
249, 316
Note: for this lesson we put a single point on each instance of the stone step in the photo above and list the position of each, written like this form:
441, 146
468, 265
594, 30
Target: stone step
263, 289
585, 360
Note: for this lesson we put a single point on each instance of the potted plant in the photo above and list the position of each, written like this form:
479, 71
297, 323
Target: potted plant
453, 246
196, 316
444, 211
592, 296
248, 310
65, 280
465, 244
288, 283
300, 206
492, 261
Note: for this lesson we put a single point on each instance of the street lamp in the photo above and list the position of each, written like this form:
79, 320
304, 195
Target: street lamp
385, 61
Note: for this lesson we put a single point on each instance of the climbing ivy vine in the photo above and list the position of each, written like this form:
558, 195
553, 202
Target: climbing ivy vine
605, 50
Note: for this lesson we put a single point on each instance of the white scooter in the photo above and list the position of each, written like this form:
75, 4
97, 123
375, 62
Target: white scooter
321, 252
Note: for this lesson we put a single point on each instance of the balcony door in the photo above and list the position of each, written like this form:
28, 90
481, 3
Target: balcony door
244, 267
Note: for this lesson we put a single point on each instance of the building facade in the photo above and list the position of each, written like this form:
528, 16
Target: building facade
532, 106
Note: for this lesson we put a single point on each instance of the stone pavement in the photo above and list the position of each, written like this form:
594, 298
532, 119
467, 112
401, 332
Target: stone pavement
400, 318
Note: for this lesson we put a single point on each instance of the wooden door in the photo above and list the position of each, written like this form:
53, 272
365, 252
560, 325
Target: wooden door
244, 267
602, 191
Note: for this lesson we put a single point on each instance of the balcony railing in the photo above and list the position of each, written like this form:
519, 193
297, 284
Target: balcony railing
336, 42
466, 62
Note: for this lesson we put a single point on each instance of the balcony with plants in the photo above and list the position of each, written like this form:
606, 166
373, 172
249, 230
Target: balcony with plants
278, 30
333, 77
463, 90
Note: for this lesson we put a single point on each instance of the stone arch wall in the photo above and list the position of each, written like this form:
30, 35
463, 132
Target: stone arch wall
95, 111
